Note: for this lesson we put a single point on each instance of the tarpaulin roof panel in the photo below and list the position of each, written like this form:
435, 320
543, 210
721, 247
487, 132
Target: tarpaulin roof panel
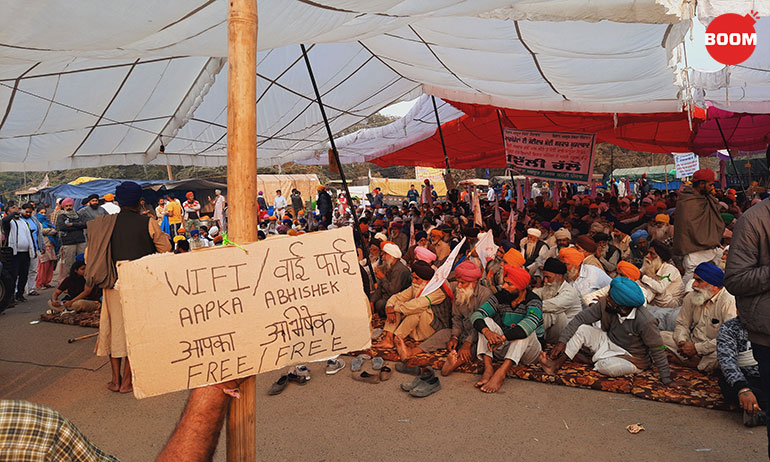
744, 132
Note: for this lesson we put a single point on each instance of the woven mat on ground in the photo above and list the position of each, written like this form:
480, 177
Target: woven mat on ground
696, 388
85, 319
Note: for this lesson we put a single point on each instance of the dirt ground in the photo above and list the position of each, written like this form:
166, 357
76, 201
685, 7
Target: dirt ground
336, 418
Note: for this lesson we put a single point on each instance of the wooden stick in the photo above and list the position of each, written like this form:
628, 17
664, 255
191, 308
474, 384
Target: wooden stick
242, 190
83, 337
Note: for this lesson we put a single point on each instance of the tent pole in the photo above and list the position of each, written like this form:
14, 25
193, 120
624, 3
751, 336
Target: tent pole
729, 153
440, 133
357, 229
502, 136
242, 191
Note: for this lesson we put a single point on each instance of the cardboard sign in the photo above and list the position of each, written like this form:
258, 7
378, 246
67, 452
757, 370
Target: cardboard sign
223, 313
550, 155
686, 164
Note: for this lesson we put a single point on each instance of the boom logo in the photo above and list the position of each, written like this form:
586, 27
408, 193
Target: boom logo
731, 38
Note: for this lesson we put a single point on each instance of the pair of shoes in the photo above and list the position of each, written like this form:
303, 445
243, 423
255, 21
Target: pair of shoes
754, 420
424, 385
334, 365
405, 369
382, 376
358, 362
33, 293
299, 375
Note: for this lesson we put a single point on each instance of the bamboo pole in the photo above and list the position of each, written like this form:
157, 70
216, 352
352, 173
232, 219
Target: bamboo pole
242, 190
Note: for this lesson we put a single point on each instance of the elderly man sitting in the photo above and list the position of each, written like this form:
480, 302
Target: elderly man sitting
561, 302
664, 282
624, 344
694, 340
460, 338
588, 247
584, 278
411, 314
511, 324
625, 269
495, 267
438, 246
392, 277
532, 248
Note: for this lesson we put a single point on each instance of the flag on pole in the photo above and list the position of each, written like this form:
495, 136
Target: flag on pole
486, 248
411, 232
477, 211
442, 273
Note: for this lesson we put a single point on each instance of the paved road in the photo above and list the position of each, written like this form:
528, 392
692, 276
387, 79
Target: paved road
336, 418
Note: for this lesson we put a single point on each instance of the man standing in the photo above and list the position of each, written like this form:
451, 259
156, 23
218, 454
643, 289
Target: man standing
192, 210
412, 195
426, 197
36, 229
127, 235
747, 277
160, 210
261, 201
18, 237
174, 213
698, 224
279, 205
377, 198
219, 209
511, 328
91, 209
73, 240
296, 201
694, 340
109, 206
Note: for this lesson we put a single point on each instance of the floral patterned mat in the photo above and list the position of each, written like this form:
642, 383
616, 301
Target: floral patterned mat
86, 319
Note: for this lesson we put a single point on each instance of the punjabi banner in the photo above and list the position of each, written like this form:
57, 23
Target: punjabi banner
550, 155
224, 313
686, 164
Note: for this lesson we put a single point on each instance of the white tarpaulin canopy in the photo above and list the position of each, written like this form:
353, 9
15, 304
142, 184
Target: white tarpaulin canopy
94, 83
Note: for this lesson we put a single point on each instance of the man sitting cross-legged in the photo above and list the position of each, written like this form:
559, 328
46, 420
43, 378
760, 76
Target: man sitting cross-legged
511, 324
629, 335
694, 340
468, 296
409, 314
561, 302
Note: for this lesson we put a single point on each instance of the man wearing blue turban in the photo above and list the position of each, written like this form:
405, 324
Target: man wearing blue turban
624, 344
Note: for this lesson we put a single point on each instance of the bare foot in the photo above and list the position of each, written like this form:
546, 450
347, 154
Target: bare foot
488, 373
401, 348
112, 386
549, 365
450, 364
127, 388
495, 382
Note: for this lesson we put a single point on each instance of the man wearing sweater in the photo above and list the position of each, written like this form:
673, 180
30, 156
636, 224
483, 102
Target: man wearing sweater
628, 338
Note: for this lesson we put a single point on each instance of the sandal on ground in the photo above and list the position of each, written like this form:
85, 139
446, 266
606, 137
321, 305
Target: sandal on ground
366, 377
385, 373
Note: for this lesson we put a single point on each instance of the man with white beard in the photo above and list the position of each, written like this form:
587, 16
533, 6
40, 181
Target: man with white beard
532, 248
664, 282
661, 229
622, 241
694, 340
460, 338
392, 277
562, 237
561, 302
410, 314
584, 278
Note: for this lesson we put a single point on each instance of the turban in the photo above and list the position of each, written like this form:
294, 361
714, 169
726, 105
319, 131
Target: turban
89, 198
548, 204
593, 206
545, 224
506, 245
601, 237
214, 231
514, 258
273, 218
704, 174
424, 254
427, 181
67, 201
420, 235
626, 292
396, 225
519, 277
534, 232
662, 218
422, 270
219, 239
381, 236
436, 232
320, 187
554, 265
364, 228
260, 193
555, 226
471, 232
194, 232
571, 256
467, 271
281, 229
639, 234
563, 233
286, 221
651, 210
628, 270
179, 238
662, 250
181, 231
728, 218
109, 197
727, 234
378, 223
661, 205
189, 195
586, 243
292, 232
711, 273
596, 227
391, 249
303, 221
586, 201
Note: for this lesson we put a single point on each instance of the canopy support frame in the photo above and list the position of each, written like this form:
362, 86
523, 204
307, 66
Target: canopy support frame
729, 153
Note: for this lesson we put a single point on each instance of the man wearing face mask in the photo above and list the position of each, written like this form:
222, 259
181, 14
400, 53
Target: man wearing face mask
625, 343
561, 302
694, 340
511, 328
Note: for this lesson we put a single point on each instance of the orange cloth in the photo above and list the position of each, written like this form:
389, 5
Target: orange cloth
514, 258
571, 256
628, 270
519, 277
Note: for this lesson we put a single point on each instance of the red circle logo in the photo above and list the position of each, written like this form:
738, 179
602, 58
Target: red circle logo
731, 38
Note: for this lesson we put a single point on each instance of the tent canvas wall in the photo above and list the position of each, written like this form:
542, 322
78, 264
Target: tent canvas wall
307, 184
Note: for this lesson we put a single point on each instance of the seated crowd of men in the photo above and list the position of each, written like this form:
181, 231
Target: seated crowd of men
624, 284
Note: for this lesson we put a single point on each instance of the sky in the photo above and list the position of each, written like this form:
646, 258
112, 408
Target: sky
697, 58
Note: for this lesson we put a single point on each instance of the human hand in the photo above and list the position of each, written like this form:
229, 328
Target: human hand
379, 274
68, 303
688, 348
451, 344
557, 350
464, 354
748, 402
493, 339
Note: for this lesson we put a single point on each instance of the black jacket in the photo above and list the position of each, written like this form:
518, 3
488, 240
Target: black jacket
71, 230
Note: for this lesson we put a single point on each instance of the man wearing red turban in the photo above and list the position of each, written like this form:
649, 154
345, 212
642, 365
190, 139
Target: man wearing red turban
511, 324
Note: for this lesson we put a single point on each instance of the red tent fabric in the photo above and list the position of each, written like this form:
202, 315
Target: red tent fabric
474, 140
744, 132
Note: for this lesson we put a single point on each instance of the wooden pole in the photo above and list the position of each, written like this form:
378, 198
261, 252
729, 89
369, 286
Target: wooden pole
242, 190
440, 133
732, 161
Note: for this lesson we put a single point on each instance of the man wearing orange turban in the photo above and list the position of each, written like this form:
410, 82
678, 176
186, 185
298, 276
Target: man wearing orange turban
438, 246
584, 278
511, 327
